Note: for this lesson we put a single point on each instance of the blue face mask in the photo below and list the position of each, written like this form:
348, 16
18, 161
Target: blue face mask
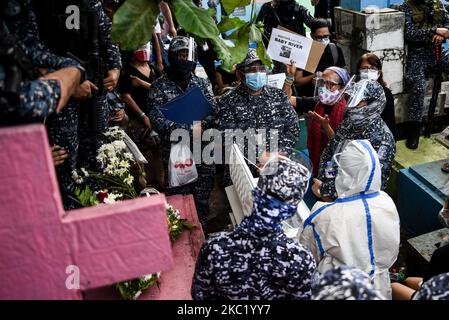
256, 81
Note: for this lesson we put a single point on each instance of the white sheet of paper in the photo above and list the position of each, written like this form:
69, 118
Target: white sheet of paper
276, 80
286, 46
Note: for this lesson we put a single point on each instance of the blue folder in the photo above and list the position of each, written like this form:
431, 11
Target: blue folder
189, 107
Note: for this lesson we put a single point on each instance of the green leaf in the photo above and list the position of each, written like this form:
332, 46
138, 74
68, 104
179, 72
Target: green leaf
227, 23
255, 35
133, 23
195, 20
223, 53
241, 46
262, 53
230, 5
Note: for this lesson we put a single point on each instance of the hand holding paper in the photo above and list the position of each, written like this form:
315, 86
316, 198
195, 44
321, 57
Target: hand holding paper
288, 47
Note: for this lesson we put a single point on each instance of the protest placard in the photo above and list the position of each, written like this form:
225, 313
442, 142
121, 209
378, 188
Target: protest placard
286, 46
276, 80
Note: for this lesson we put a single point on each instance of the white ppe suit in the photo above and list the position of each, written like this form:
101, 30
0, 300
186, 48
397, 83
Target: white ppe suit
361, 227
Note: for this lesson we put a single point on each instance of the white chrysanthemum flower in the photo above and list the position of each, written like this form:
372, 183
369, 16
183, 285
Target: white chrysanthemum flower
147, 277
129, 180
84, 171
128, 156
109, 201
137, 295
74, 175
112, 198
119, 145
109, 170
115, 132
114, 161
120, 172
124, 164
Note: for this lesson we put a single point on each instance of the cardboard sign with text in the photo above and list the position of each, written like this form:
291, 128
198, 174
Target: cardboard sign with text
286, 45
276, 80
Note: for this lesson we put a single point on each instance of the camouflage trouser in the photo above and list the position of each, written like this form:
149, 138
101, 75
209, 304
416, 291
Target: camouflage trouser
91, 130
63, 131
419, 61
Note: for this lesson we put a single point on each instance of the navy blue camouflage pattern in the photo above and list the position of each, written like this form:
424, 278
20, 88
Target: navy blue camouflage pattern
361, 123
344, 283
270, 111
436, 288
257, 261
421, 57
161, 92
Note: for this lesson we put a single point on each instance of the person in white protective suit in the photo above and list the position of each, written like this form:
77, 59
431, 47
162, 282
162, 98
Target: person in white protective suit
361, 227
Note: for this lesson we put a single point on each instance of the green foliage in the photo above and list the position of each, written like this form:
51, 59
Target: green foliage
86, 196
132, 25
130, 290
231, 5
227, 24
195, 20
176, 225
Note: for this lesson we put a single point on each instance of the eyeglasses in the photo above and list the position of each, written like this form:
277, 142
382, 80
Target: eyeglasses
373, 68
254, 69
329, 84
322, 37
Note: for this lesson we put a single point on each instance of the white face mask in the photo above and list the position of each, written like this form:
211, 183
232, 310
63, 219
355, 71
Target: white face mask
369, 75
325, 41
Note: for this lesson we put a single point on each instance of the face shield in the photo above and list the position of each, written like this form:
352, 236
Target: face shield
143, 54
269, 163
356, 93
191, 50
327, 92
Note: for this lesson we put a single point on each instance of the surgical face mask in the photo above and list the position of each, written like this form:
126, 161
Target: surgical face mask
369, 74
256, 81
328, 97
324, 41
142, 55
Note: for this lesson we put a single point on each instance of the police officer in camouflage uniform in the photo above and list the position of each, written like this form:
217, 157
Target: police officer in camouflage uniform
79, 128
23, 97
255, 106
426, 25
178, 79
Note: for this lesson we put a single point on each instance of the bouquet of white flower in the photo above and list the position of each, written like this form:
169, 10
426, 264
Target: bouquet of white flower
116, 183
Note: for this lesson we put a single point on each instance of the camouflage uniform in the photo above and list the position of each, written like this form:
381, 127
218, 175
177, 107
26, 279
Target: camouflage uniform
421, 54
360, 123
161, 92
71, 127
38, 98
257, 261
436, 288
270, 110
112, 60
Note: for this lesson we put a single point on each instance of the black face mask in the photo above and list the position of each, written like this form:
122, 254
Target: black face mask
180, 70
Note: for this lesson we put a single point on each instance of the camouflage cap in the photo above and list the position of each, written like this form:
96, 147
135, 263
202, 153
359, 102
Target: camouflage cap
179, 43
251, 57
